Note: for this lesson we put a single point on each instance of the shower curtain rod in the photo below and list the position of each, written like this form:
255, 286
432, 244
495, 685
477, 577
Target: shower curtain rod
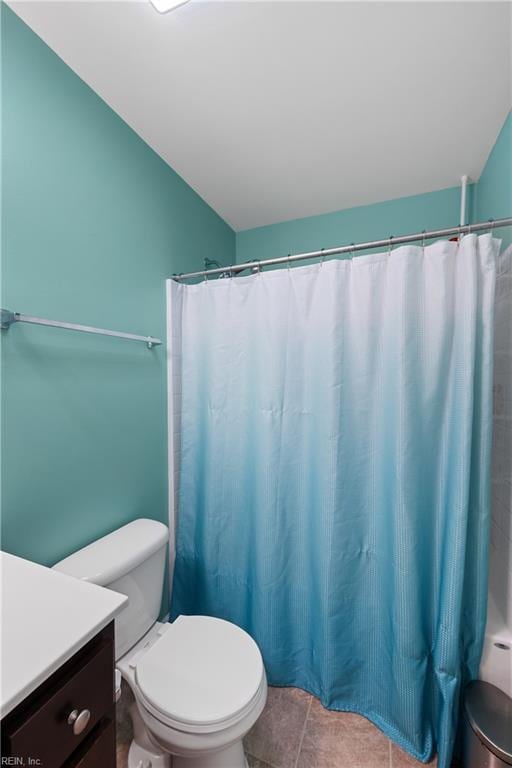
234, 269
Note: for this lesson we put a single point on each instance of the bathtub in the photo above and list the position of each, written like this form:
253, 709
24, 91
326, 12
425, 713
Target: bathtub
496, 663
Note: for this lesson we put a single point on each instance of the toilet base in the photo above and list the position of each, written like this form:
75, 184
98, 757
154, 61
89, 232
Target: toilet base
232, 757
138, 757
143, 752
146, 753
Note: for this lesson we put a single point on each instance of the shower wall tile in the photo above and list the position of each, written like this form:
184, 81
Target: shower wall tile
175, 350
500, 566
501, 516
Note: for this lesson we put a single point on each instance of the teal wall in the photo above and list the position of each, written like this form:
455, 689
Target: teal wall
352, 225
493, 199
93, 222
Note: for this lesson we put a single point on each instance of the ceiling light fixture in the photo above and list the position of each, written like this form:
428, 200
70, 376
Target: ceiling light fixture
162, 6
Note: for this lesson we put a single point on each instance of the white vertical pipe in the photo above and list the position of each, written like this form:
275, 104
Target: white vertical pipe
463, 197
171, 464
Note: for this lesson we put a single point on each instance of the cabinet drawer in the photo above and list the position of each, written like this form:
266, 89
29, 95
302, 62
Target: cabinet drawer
44, 733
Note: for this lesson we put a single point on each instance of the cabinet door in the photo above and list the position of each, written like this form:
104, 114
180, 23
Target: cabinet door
47, 735
99, 751
41, 732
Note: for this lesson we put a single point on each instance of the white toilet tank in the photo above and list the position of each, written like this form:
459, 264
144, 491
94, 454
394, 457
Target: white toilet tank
130, 560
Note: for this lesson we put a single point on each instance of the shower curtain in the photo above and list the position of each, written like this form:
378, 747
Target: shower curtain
335, 432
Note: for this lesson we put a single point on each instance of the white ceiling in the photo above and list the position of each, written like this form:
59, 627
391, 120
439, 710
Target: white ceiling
278, 110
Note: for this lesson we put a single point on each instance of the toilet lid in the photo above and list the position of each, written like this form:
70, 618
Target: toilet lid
201, 671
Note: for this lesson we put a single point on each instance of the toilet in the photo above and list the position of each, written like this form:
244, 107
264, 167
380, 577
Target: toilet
199, 683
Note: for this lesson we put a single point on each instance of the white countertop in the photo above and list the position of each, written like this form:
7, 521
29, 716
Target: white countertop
46, 617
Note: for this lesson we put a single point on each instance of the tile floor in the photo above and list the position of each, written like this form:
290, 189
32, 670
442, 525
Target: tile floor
295, 731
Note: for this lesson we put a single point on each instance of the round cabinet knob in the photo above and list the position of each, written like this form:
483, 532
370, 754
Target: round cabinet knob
79, 720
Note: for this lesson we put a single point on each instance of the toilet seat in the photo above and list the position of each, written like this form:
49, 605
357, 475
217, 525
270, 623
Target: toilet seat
201, 675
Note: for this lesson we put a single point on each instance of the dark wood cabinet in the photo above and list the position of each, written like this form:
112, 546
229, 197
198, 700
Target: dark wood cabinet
99, 750
69, 720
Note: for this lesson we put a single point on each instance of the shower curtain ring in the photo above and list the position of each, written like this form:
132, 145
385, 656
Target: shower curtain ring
353, 251
390, 244
323, 257
424, 232
205, 277
289, 257
491, 226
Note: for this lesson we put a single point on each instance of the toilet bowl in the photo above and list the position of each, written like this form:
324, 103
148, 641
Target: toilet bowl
199, 687
199, 683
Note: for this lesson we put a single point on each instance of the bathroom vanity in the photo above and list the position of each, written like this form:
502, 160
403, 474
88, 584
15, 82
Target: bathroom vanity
57, 686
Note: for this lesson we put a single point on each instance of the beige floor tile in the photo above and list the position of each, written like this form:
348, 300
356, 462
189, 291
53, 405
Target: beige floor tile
123, 719
401, 759
342, 740
293, 720
275, 739
255, 763
122, 755
297, 694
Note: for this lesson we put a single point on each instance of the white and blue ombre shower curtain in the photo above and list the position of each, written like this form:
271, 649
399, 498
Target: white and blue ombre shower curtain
334, 480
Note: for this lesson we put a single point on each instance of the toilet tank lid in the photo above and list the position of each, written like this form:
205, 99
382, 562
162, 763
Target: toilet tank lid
115, 555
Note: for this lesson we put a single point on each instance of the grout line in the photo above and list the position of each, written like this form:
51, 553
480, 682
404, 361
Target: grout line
303, 732
263, 762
